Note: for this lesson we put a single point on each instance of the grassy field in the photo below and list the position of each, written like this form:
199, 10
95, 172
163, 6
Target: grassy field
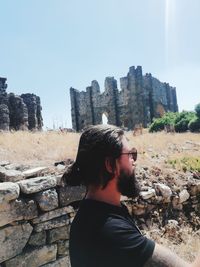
49, 147
167, 151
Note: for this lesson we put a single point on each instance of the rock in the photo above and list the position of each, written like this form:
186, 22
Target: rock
196, 175
60, 167
54, 223
183, 196
58, 234
69, 194
148, 194
4, 163
17, 210
37, 239
52, 214
10, 175
8, 191
61, 262
34, 258
194, 188
64, 162
47, 200
34, 171
63, 247
34, 185
139, 209
14, 166
175, 203
13, 239
171, 228
164, 190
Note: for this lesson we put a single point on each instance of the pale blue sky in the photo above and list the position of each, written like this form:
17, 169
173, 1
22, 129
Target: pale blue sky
47, 46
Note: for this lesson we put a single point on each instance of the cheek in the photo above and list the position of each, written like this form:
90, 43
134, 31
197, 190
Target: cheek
127, 165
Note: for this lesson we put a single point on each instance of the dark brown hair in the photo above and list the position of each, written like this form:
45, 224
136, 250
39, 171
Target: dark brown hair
96, 144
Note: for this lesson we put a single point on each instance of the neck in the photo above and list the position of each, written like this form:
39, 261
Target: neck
109, 195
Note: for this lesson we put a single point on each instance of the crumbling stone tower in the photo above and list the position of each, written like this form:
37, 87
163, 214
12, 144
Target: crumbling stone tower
140, 99
19, 112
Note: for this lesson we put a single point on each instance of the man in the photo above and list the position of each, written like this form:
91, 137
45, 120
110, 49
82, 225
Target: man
103, 234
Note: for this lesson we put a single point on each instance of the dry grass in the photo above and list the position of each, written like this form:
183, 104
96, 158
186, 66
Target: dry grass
159, 148
48, 147
41, 147
186, 242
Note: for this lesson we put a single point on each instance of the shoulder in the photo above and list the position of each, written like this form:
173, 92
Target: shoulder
121, 230
126, 240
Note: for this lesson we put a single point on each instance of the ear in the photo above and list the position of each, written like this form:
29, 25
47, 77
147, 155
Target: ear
109, 164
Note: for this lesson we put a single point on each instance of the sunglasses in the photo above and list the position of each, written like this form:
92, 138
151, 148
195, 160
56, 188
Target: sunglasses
133, 153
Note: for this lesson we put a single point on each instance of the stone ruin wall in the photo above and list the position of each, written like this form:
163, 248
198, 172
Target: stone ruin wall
35, 213
140, 99
19, 112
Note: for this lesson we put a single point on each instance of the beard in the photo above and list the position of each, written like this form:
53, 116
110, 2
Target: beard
128, 185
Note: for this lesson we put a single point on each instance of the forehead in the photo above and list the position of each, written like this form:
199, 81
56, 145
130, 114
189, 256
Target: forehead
125, 144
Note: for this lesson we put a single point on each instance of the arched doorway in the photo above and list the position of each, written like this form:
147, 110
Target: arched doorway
105, 118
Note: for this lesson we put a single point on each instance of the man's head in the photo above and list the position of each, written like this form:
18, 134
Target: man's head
103, 154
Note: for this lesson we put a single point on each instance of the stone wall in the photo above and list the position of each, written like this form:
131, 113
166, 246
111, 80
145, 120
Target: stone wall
19, 112
34, 218
36, 212
140, 99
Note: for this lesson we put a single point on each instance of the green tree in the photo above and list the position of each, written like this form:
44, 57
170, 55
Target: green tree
159, 124
182, 120
197, 109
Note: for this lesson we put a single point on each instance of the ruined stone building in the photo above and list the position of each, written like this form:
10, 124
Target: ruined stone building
19, 112
140, 99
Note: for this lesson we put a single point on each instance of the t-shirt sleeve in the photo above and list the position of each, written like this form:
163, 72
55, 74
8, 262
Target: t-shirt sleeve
125, 241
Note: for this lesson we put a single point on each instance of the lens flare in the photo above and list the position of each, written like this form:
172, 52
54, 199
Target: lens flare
169, 30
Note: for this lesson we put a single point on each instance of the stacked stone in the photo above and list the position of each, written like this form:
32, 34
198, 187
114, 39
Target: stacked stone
158, 203
39, 113
18, 113
4, 110
34, 111
35, 221
140, 100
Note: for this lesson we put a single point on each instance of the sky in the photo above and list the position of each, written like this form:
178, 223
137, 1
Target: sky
48, 46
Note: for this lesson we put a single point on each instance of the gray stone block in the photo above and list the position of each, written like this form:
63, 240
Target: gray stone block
63, 247
37, 239
13, 239
34, 185
47, 200
17, 210
34, 258
54, 223
60, 233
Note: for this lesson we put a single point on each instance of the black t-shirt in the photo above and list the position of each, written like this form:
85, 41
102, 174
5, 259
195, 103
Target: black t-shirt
104, 235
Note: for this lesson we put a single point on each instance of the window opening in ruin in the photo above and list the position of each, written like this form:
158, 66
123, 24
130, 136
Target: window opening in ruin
105, 118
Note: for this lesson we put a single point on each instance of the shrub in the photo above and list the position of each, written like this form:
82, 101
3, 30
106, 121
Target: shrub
182, 120
194, 125
197, 109
181, 126
159, 124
